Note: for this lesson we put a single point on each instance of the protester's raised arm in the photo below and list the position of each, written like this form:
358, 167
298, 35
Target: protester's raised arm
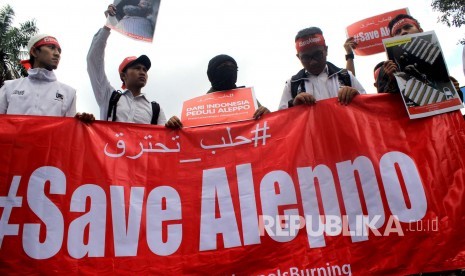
349, 45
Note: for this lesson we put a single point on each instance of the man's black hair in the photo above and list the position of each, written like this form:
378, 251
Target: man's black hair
398, 18
32, 58
308, 32
378, 66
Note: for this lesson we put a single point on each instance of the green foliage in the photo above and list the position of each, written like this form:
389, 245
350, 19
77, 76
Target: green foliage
453, 12
13, 43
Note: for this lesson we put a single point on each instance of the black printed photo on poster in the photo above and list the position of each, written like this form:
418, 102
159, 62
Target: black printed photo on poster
135, 18
423, 78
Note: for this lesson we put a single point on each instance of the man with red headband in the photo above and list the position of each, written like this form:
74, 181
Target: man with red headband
403, 24
131, 105
40, 93
319, 79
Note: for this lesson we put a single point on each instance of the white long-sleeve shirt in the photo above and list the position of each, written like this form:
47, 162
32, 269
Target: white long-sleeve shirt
130, 109
38, 94
321, 87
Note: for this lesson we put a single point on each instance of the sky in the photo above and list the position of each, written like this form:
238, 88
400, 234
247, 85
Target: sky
258, 34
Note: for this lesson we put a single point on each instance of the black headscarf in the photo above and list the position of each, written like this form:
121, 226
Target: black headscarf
223, 78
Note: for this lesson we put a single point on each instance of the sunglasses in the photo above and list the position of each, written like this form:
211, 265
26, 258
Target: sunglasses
317, 56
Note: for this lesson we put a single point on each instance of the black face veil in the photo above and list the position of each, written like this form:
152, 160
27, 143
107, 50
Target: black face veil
222, 77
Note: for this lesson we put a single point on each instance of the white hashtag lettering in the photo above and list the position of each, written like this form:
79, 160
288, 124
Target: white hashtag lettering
8, 203
257, 130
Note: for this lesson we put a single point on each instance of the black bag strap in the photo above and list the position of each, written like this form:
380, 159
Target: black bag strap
155, 113
344, 77
114, 98
295, 87
296, 81
113, 103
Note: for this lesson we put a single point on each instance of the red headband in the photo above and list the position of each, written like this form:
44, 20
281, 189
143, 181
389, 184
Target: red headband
376, 73
401, 23
305, 43
49, 40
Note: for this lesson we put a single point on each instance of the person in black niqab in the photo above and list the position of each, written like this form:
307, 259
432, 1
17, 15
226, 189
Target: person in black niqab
222, 74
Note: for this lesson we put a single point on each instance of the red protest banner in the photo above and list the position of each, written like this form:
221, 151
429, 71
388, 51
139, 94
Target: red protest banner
219, 107
380, 194
369, 32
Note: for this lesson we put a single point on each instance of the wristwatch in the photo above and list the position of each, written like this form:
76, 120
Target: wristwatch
350, 56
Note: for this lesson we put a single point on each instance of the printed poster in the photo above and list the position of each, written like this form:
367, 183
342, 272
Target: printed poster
135, 18
370, 32
219, 107
423, 78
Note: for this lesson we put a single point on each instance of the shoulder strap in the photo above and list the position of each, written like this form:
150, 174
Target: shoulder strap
155, 113
114, 98
344, 77
342, 74
296, 81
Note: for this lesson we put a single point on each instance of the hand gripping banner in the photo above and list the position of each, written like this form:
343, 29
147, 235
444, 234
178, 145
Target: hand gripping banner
312, 190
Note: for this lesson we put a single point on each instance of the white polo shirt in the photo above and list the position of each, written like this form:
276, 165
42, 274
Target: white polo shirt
135, 109
38, 94
129, 109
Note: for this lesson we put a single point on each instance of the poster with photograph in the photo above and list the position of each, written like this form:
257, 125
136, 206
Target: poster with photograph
219, 107
369, 32
423, 78
135, 18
